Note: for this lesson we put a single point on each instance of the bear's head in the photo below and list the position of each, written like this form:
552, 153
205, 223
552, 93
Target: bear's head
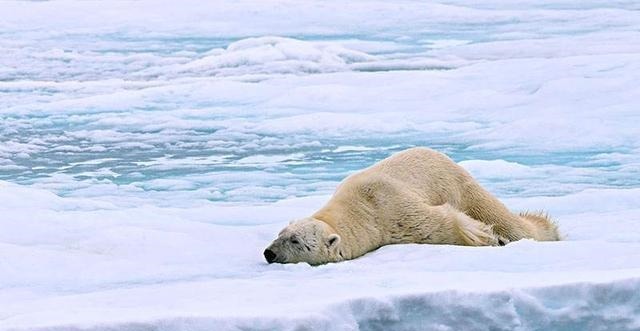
306, 240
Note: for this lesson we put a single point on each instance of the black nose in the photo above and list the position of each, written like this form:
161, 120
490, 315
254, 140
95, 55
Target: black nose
269, 255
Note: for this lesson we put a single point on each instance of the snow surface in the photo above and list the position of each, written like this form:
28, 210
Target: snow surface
150, 150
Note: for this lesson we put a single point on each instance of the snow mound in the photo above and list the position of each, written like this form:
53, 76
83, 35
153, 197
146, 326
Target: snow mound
274, 55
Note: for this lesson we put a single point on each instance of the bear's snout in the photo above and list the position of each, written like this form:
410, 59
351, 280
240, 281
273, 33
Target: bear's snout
269, 255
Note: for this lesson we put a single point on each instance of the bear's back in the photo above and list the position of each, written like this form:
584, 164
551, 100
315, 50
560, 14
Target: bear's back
430, 175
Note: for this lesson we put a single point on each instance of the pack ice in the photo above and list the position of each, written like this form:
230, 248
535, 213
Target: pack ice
150, 150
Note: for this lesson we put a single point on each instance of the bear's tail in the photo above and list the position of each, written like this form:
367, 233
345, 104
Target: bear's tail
545, 228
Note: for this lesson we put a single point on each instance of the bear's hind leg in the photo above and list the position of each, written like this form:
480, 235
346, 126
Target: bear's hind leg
443, 224
473, 232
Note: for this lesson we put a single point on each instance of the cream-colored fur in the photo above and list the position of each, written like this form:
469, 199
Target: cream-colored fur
415, 196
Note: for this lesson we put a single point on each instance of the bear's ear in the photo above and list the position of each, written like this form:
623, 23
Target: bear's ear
333, 240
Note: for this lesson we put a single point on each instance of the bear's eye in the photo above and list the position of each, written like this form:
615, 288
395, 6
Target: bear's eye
294, 241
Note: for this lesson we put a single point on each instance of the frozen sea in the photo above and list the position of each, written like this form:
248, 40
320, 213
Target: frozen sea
150, 150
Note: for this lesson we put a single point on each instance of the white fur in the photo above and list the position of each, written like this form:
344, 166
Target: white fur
415, 196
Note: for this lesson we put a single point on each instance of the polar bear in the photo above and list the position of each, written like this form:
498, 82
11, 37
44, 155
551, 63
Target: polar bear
414, 196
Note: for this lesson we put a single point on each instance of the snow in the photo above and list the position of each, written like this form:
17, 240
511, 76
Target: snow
150, 150
100, 266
